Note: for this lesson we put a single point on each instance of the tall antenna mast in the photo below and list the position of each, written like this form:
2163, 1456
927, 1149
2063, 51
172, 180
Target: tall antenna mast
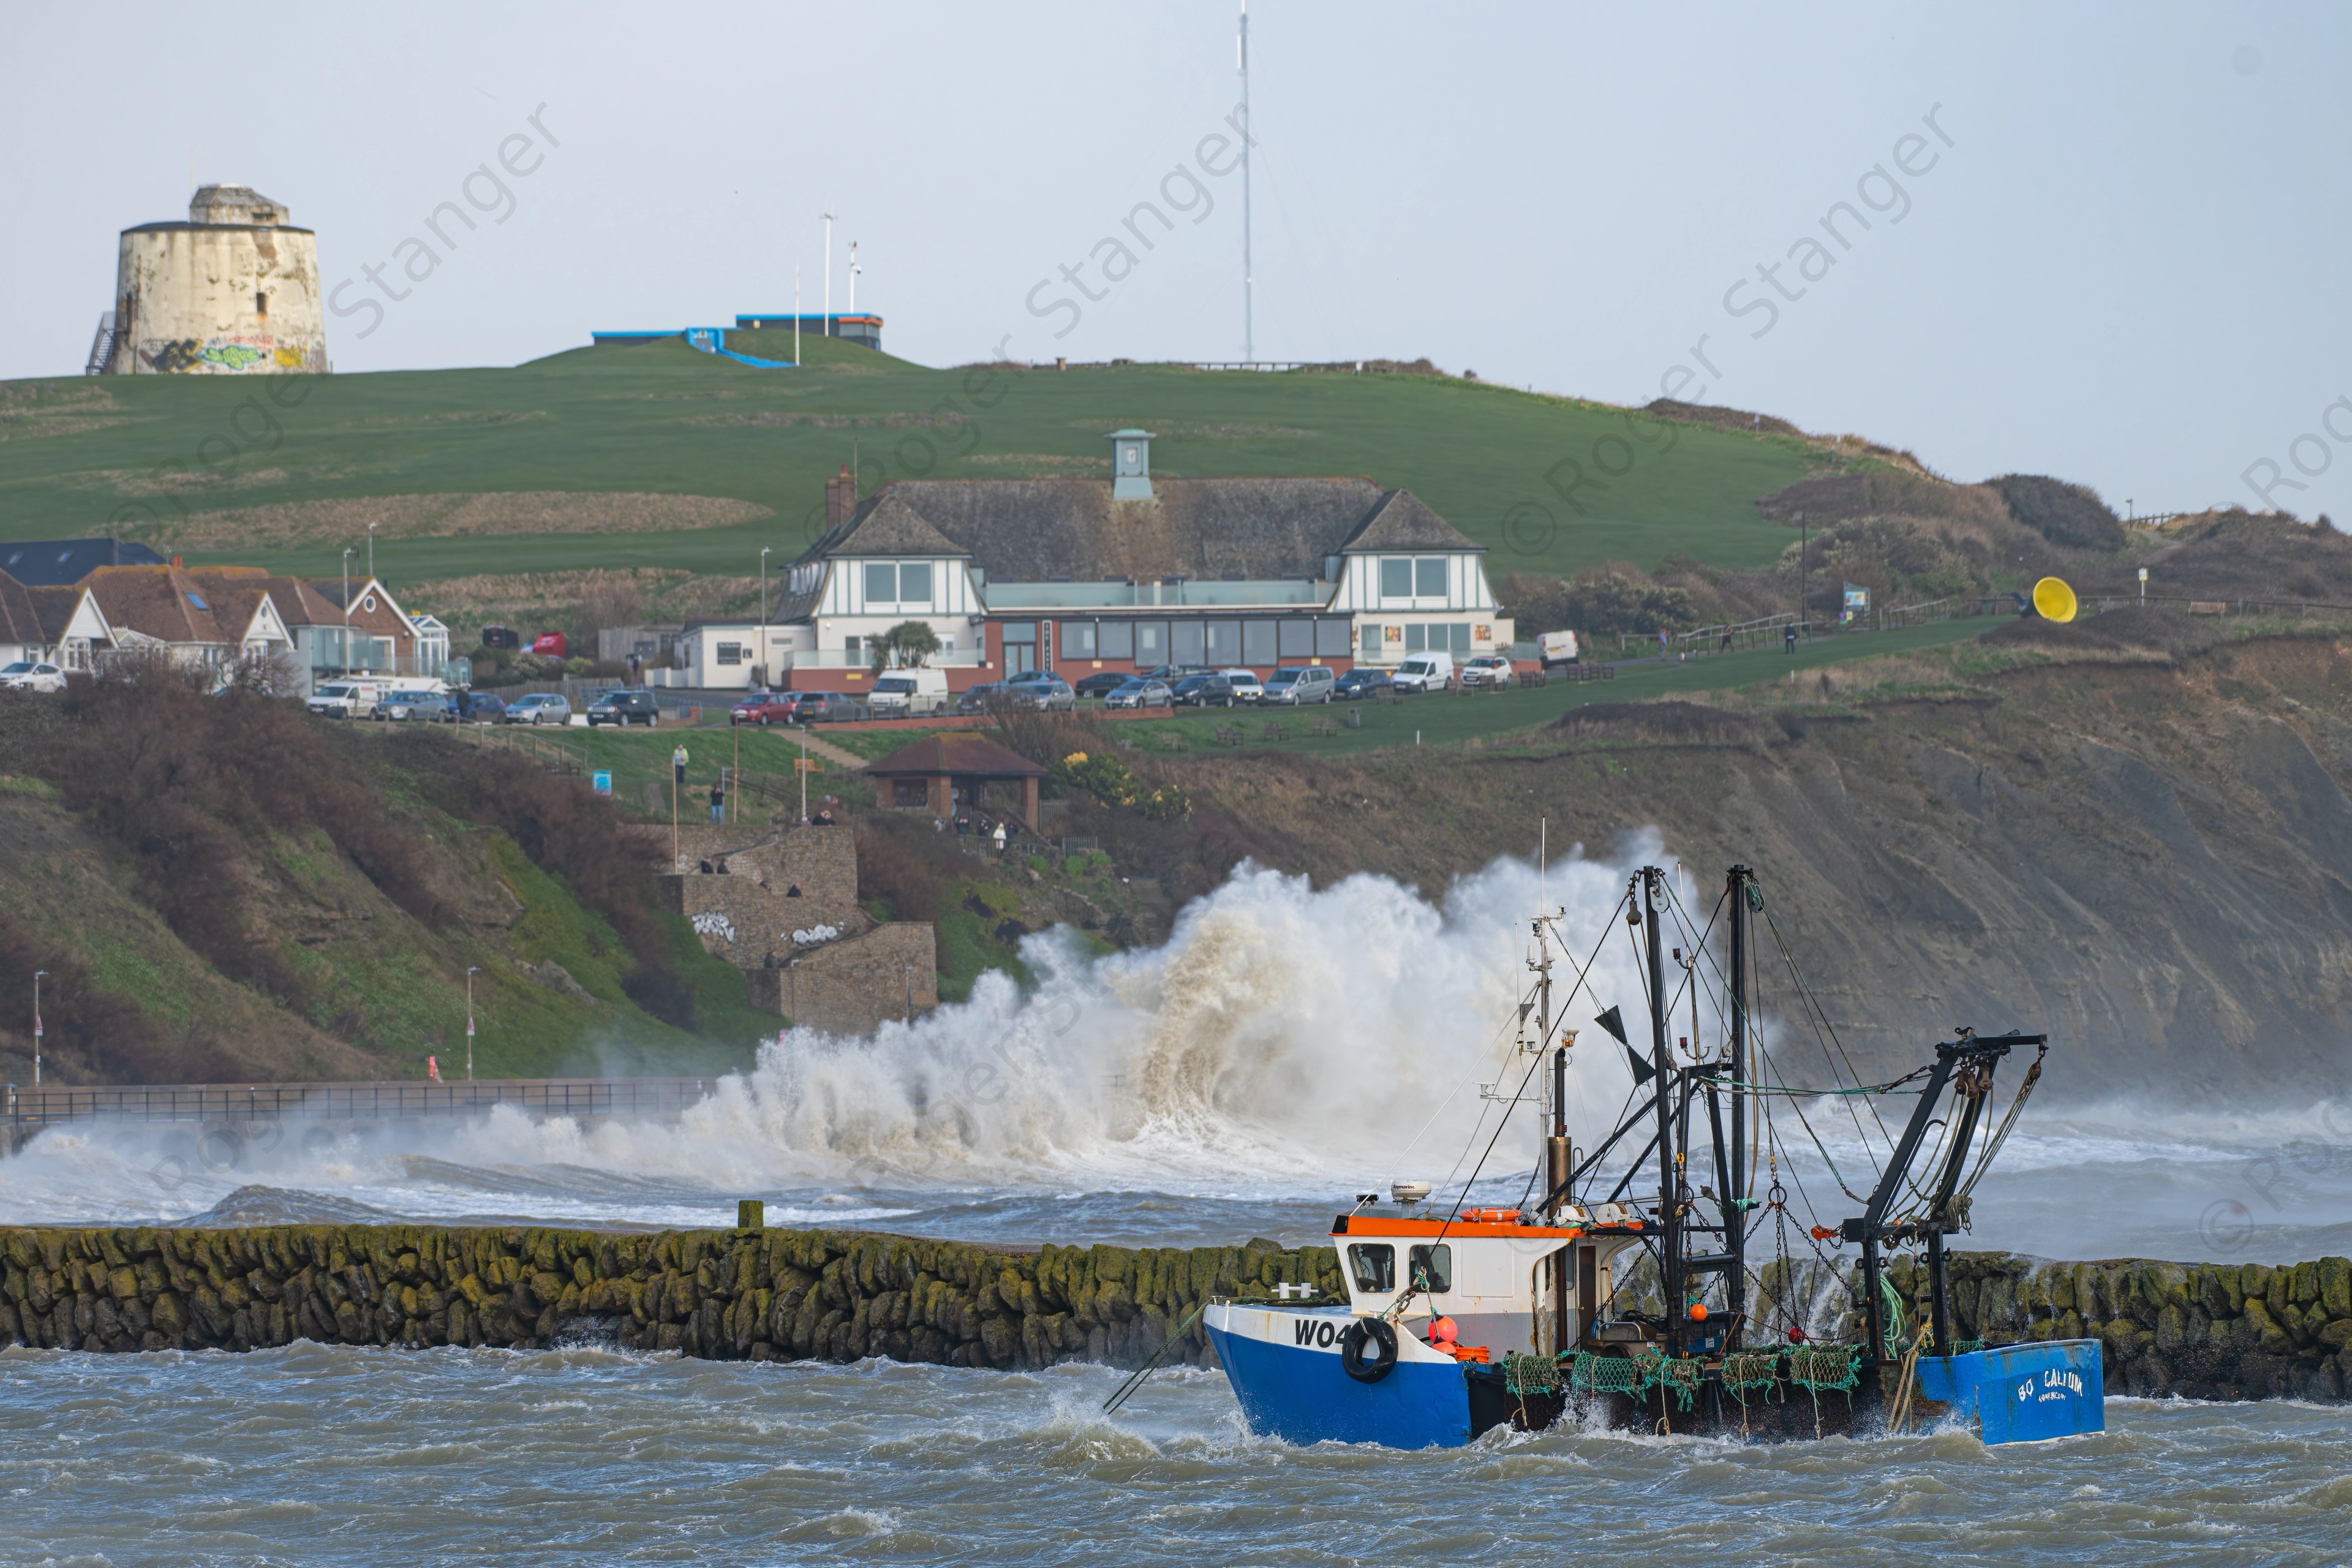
828, 275
1249, 331
796, 316
853, 277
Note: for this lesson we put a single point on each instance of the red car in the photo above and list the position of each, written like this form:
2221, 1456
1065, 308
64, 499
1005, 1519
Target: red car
763, 707
550, 644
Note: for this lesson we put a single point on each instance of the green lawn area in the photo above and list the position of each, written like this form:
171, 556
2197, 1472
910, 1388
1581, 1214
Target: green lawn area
137, 455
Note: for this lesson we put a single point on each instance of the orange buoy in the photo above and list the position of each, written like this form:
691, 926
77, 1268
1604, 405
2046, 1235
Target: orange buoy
1698, 1311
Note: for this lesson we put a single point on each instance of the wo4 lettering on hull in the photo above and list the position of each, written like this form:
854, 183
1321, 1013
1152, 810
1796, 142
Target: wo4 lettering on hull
1316, 1333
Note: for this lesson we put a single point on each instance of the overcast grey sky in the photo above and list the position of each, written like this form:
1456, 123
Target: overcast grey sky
2116, 267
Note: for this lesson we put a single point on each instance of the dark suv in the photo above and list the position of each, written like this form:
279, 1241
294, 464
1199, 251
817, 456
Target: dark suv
824, 708
624, 708
1205, 691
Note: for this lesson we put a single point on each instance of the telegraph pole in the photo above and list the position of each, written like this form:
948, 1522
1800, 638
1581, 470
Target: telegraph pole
39, 975
1249, 331
469, 1021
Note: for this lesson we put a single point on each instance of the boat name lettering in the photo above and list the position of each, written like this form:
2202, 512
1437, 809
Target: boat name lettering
1322, 1335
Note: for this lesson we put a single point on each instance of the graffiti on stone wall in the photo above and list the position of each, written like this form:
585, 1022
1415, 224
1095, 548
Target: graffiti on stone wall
183, 357
815, 934
710, 923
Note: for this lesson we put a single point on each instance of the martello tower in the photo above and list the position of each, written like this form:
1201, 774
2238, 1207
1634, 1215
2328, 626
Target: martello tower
232, 291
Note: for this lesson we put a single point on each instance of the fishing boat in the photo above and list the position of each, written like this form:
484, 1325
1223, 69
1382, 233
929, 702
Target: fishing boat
1627, 1294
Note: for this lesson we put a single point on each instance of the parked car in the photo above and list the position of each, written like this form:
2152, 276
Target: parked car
1142, 694
902, 693
1300, 684
825, 708
344, 698
1488, 669
26, 675
1203, 692
624, 708
1102, 684
760, 708
414, 703
538, 707
1172, 673
1051, 695
1558, 648
1424, 672
480, 708
977, 699
1359, 683
1246, 686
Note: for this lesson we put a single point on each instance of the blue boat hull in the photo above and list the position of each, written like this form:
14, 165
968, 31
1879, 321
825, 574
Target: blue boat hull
1301, 1395
2023, 1393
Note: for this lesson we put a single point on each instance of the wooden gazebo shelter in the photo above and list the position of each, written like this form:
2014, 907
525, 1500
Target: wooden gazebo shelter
928, 772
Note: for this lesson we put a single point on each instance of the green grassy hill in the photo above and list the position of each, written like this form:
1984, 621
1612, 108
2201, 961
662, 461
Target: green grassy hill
588, 455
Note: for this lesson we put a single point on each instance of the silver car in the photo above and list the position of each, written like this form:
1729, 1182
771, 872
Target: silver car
1142, 694
538, 708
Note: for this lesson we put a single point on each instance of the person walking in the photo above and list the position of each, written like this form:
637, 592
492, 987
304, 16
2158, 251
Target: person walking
718, 800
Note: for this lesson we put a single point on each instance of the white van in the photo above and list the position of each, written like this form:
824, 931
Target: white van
1424, 672
1557, 647
902, 693
346, 698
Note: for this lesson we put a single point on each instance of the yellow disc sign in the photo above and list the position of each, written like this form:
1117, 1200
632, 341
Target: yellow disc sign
2053, 600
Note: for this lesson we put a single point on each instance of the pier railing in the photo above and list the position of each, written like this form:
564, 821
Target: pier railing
50, 1105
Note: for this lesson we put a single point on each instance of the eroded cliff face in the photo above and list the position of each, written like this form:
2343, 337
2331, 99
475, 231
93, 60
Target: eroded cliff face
2147, 853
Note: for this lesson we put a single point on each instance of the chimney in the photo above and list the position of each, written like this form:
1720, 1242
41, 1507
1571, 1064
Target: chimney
840, 498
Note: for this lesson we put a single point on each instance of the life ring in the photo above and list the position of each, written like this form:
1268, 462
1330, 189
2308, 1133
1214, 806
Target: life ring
1351, 1349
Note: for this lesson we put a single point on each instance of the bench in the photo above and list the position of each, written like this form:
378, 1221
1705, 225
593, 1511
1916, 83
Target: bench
1276, 730
1324, 726
1227, 735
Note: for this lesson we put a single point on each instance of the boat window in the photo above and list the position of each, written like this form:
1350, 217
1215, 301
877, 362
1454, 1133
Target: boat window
1433, 1268
1374, 1268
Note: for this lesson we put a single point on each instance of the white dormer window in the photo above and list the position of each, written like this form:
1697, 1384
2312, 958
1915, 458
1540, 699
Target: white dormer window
1414, 577
889, 583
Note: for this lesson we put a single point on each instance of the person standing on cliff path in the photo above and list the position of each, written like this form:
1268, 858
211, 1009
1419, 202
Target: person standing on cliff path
1000, 837
718, 802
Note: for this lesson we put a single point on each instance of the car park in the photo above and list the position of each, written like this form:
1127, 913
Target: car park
761, 708
1203, 690
1300, 684
1101, 684
538, 707
33, 675
624, 708
1248, 687
1424, 672
1140, 693
825, 708
1490, 669
478, 708
1359, 683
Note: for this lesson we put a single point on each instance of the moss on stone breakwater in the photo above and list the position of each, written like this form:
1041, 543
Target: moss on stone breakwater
719, 1294
2211, 1330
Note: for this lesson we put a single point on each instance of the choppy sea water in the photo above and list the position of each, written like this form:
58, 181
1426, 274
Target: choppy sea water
317, 1455
1244, 1081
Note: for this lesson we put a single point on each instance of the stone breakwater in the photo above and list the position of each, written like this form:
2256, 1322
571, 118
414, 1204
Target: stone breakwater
762, 1294
2201, 1331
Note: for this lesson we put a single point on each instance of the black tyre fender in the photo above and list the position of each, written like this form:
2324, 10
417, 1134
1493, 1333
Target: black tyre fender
1363, 1331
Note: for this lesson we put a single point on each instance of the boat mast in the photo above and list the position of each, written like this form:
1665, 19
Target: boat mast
1670, 1270
1735, 1213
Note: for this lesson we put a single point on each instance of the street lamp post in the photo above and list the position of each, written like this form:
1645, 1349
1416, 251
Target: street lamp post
347, 610
767, 676
39, 975
371, 552
469, 1021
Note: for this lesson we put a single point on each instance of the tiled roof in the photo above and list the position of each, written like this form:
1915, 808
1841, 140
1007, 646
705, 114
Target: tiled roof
955, 753
154, 602
20, 620
53, 608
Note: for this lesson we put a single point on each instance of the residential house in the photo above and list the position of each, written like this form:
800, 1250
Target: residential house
1123, 573
58, 563
209, 617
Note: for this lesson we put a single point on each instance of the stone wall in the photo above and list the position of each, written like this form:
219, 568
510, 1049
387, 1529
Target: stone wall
743, 922
723, 1295
2202, 1330
822, 861
850, 986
